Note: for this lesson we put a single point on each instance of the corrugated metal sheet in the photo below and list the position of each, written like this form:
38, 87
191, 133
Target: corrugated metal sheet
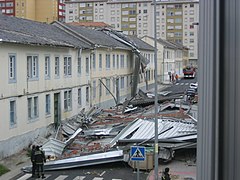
144, 129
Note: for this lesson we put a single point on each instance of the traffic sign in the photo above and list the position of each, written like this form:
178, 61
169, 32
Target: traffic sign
137, 153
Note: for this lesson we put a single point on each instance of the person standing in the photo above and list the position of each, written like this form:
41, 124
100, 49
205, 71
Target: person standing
166, 175
33, 160
39, 158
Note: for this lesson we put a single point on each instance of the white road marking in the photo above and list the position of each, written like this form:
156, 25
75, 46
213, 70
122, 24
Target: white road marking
97, 178
26, 176
61, 177
79, 178
177, 84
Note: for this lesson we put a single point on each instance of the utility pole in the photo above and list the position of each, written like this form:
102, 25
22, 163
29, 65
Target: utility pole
156, 97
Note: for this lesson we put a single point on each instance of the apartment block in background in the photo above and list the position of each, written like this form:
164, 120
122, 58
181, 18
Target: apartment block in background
176, 21
38, 10
7, 7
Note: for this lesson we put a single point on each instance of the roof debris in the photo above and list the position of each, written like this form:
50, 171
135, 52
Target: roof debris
106, 135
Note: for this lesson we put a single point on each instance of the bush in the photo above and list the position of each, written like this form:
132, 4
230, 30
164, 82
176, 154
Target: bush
3, 170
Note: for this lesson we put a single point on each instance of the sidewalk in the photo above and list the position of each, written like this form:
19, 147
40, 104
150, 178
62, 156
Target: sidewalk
15, 163
179, 170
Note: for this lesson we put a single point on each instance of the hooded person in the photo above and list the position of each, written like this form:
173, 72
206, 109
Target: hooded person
166, 175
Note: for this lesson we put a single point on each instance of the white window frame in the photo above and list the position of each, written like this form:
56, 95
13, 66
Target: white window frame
57, 67
13, 113
67, 66
12, 67
48, 104
47, 67
67, 98
32, 67
33, 107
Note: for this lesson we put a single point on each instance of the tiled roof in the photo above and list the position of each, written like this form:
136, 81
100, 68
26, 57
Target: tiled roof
98, 37
141, 44
23, 31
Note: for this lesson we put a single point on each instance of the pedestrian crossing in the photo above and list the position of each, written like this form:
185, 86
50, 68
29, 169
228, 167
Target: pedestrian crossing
182, 84
60, 177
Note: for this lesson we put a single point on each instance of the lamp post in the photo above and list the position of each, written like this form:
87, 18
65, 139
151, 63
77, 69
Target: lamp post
156, 97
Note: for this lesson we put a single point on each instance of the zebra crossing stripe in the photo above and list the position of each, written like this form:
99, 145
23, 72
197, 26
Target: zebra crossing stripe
116, 179
186, 83
97, 178
61, 177
26, 176
79, 178
182, 84
177, 84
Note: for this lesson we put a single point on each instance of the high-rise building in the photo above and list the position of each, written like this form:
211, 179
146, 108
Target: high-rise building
7, 7
38, 10
176, 20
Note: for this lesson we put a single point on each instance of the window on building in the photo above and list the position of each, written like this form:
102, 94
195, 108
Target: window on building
145, 11
79, 96
117, 61
191, 5
108, 86
191, 40
87, 65
100, 61
191, 33
32, 67
57, 67
67, 66
68, 100
47, 67
87, 95
32, 107
113, 60
107, 61
12, 68
13, 114
48, 104
93, 61
94, 89
122, 83
122, 61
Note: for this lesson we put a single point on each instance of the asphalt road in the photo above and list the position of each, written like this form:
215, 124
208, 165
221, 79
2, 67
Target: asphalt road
181, 85
112, 171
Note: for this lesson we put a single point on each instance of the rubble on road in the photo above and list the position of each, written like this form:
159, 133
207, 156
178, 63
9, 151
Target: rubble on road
108, 134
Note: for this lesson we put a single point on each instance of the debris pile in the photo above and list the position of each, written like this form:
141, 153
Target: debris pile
108, 134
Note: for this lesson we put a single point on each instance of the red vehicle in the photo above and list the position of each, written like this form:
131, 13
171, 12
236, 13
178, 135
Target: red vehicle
189, 72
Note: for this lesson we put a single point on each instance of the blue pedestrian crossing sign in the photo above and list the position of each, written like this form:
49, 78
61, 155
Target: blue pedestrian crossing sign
137, 153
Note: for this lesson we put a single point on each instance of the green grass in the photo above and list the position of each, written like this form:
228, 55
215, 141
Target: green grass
3, 170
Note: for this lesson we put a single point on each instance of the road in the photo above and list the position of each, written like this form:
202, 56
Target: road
113, 171
181, 85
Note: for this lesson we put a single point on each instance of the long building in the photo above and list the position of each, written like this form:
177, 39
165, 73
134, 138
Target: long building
176, 20
51, 72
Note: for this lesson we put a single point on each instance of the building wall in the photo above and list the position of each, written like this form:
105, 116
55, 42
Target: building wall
16, 93
46, 11
116, 72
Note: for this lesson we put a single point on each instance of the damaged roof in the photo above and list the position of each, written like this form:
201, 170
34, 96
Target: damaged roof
23, 31
99, 38
141, 44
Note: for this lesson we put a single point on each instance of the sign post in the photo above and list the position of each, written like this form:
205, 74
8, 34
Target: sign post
137, 153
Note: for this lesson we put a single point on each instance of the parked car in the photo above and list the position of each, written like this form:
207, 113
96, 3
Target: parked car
193, 85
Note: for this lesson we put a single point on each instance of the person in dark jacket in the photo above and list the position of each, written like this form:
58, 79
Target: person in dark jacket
166, 175
39, 158
33, 160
